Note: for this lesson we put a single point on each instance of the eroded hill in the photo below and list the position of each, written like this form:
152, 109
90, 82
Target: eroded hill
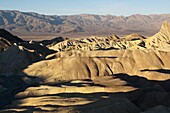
95, 74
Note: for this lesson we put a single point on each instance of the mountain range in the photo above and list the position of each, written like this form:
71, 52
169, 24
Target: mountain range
29, 23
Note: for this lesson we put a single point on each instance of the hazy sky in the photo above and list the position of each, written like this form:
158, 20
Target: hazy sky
70, 7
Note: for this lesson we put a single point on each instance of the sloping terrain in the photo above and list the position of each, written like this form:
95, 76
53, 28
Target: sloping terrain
22, 23
129, 74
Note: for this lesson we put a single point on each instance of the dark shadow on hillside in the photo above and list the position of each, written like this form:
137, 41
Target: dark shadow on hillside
165, 84
149, 94
13, 85
10, 37
164, 71
134, 80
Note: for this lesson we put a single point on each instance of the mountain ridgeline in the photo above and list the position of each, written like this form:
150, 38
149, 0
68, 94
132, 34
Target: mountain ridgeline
22, 23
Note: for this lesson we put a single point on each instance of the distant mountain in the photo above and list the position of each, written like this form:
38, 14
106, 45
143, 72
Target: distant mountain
22, 23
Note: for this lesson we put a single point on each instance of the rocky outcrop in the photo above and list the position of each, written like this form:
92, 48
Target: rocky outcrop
161, 40
98, 43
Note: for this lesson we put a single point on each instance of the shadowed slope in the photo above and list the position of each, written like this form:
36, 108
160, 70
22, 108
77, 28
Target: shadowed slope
8, 36
7, 39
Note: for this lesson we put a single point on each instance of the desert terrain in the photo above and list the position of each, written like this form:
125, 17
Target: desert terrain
96, 74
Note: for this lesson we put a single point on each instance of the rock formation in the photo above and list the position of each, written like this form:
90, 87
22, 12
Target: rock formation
110, 74
161, 39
